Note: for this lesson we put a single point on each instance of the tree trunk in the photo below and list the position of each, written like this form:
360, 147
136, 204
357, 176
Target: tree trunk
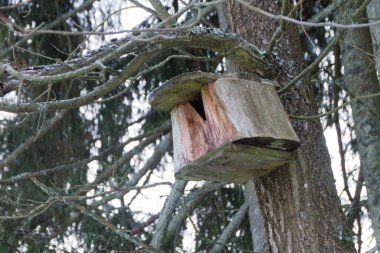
361, 79
256, 220
373, 14
299, 202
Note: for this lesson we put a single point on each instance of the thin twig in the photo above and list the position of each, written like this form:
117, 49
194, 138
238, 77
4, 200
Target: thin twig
279, 31
305, 23
56, 22
12, 157
150, 135
313, 65
10, 7
145, 8
353, 100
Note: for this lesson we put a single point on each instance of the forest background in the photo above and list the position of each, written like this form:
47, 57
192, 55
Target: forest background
86, 165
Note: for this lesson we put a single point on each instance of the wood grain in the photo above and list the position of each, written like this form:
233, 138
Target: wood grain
240, 133
235, 163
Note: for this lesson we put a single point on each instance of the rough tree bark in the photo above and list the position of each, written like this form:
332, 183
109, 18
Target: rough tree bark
299, 202
360, 77
373, 14
256, 220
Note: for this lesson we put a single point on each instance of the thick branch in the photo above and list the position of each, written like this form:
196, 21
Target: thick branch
321, 15
225, 43
192, 201
128, 71
232, 227
160, 9
167, 212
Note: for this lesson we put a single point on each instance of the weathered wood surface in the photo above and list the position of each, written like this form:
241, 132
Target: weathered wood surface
190, 135
187, 88
247, 113
180, 89
255, 111
236, 163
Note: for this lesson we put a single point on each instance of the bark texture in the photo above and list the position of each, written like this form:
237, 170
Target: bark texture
373, 13
299, 202
361, 79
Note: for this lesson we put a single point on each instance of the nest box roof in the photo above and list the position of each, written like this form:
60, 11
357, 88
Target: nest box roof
187, 88
180, 89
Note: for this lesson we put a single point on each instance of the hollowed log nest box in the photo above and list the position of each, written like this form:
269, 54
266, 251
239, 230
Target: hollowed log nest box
225, 128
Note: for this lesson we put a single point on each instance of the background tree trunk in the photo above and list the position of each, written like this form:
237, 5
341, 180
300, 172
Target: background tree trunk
360, 77
299, 202
373, 13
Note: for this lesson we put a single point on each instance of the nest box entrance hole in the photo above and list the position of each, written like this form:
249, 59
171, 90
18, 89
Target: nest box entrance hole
199, 108
200, 126
225, 128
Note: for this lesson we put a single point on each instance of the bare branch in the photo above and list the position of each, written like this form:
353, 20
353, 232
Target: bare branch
279, 31
151, 164
232, 227
160, 9
192, 201
115, 166
353, 100
37, 210
152, 219
32, 139
305, 23
337, 76
143, 7
56, 22
151, 136
320, 57
167, 212
112, 227
227, 44
354, 210
313, 65
321, 15
107, 87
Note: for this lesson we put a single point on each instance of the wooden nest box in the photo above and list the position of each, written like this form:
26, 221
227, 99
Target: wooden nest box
225, 128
